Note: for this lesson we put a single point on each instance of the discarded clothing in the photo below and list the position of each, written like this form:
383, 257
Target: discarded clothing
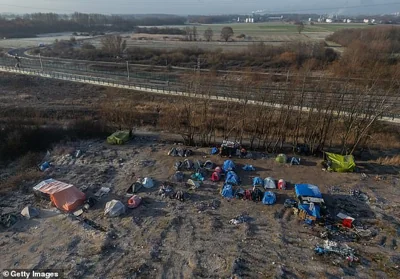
249, 168
289, 203
269, 198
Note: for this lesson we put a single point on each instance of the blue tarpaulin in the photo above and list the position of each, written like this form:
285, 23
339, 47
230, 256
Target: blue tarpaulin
228, 166
249, 168
232, 178
227, 191
307, 190
269, 198
257, 181
214, 151
311, 209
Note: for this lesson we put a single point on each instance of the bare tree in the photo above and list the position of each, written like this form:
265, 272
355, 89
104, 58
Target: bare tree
226, 33
194, 32
300, 27
113, 44
208, 34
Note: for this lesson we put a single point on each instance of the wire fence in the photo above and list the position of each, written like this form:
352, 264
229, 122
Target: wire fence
159, 83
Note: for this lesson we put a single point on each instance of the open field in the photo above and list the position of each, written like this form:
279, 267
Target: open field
269, 33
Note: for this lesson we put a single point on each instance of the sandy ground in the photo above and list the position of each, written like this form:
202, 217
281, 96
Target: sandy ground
165, 238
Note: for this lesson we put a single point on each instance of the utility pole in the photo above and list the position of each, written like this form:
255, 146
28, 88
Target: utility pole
41, 64
127, 68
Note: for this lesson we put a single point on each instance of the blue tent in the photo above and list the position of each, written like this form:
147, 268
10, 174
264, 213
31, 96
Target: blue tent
227, 191
228, 166
249, 168
232, 178
304, 191
269, 198
214, 151
307, 190
257, 181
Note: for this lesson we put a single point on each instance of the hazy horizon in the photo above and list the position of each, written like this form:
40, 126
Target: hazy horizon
187, 7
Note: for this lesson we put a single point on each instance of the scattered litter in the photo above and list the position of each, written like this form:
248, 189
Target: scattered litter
30, 212
78, 212
363, 176
179, 195
269, 198
90, 202
78, 153
102, 192
347, 220
114, 208
243, 218
193, 184
134, 201
333, 247
44, 166
290, 203
8, 220
357, 194
249, 168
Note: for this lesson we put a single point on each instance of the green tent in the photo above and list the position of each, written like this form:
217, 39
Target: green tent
119, 137
340, 163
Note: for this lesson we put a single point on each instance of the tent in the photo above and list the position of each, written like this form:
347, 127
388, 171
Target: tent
249, 168
227, 191
114, 208
339, 163
29, 212
269, 183
209, 165
257, 181
119, 137
281, 158
178, 176
282, 184
215, 177
269, 198
148, 183
65, 196
228, 166
134, 201
194, 184
310, 199
232, 178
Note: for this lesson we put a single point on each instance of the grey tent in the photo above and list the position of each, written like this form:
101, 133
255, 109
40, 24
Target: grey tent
30, 212
114, 208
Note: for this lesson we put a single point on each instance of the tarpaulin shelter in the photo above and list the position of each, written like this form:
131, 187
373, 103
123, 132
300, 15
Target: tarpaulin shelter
310, 199
340, 163
228, 166
227, 191
114, 208
65, 196
119, 137
134, 201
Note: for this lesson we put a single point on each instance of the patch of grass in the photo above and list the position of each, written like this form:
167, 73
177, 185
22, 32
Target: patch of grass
389, 161
19, 180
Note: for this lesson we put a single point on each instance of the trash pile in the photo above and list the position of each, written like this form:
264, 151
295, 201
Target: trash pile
242, 218
332, 247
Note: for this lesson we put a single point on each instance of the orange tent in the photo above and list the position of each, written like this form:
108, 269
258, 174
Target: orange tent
65, 196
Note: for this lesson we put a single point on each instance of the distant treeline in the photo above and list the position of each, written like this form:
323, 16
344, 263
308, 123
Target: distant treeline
32, 24
156, 30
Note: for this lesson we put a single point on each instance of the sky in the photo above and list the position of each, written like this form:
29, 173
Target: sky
191, 7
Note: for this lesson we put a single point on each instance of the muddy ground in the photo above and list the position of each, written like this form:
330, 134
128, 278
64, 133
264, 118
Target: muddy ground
165, 238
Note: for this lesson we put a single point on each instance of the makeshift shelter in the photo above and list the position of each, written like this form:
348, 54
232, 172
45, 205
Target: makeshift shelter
227, 191
218, 169
209, 165
232, 178
228, 166
281, 158
193, 184
310, 199
214, 151
257, 181
114, 208
215, 177
197, 176
134, 201
249, 168
339, 163
282, 184
29, 212
269, 198
65, 196
269, 183
119, 137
